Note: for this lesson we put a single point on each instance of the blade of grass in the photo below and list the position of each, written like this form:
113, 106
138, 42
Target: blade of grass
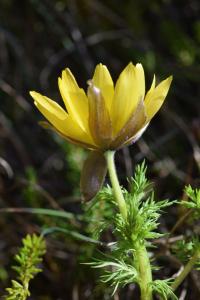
74, 234
41, 211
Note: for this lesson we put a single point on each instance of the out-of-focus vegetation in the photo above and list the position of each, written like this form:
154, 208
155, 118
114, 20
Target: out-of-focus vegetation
39, 170
27, 260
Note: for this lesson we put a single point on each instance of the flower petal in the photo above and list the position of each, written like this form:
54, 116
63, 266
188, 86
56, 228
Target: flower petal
60, 119
99, 119
74, 98
103, 81
130, 88
50, 105
140, 79
79, 143
93, 174
135, 123
136, 137
156, 96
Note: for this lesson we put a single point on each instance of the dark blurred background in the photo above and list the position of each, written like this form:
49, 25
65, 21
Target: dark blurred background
39, 38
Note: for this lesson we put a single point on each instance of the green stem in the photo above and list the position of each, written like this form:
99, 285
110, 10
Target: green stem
115, 183
141, 255
145, 274
188, 267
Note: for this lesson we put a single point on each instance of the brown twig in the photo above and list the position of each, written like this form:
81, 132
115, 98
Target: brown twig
179, 223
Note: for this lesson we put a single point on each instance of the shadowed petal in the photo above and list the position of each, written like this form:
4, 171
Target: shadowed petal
131, 128
99, 119
103, 81
93, 174
136, 137
156, 96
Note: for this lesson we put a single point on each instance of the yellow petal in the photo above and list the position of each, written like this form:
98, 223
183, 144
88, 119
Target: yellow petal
130, 88
150, 91
156, 96
103, 81
74, 98
152, 85
140, 80
60, 119
51, 106
83, 144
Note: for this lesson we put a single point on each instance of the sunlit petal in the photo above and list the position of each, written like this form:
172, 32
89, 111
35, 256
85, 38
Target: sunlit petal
51, 106
129, 90
156, 96
74, 98
140, 80
59, 118
103, 81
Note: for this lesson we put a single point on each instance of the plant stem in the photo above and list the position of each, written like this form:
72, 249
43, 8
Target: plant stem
188, 267
115, 183
144, 269
141, 255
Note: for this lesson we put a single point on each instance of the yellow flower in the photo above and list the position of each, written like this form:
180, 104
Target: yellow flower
107, 117
104, 118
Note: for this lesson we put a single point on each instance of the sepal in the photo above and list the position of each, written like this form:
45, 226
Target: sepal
99, 119
93, 174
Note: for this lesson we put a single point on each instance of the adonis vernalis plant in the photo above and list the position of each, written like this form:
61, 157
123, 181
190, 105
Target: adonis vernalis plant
107, 117
103, 120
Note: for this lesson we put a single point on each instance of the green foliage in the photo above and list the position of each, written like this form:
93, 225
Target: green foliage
139, 183
138, 229
186, 249
99, 212
28, 258
162, 287
118, 273
194, 198
143, 211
